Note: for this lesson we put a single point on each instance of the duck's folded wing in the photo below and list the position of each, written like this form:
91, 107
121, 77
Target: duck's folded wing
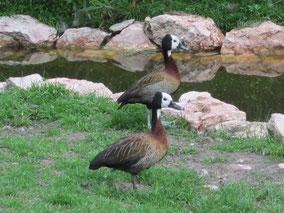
125, 152
138, 86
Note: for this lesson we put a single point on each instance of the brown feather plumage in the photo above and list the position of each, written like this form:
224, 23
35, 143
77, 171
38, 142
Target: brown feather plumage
143, 90
129, 154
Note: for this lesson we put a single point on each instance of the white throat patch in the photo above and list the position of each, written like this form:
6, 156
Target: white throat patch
169, 53
158, 114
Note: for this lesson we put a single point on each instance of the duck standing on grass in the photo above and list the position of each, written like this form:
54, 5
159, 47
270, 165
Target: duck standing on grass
167, 80
139, 151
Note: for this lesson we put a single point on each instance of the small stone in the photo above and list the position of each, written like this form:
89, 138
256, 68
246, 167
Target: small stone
2, 86
281, 165
240, 161
211, 187
6, 127
191, 144
239, 167
276, 125
244, 167
204, 172
208, 140
116, 28
219, 140
25, 82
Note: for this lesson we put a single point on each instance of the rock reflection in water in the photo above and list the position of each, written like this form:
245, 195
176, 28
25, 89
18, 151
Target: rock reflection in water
253, 84
254, 65
26, 58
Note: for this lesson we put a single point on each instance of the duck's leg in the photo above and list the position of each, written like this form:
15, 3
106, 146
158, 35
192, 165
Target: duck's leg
148, 112
133, 180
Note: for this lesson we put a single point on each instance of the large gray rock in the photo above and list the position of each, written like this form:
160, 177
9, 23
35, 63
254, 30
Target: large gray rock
82, 37
25, 82
82, 86
2, 86
116, 28
276, 125
198, 33
27, 31
204, 112
131, 38
267, 38
243, 129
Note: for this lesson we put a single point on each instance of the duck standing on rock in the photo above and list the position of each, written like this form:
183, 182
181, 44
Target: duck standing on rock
167, 80
139, 151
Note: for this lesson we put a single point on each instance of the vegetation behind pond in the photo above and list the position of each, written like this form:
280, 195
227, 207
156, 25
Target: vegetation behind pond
103, 13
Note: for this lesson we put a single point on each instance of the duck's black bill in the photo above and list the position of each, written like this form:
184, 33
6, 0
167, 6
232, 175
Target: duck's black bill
175, 106
183, 47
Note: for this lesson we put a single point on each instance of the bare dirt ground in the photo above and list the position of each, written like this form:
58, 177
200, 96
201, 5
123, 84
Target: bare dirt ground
237, 166
243, 165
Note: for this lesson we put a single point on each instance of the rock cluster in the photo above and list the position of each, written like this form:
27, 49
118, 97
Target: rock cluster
198, 33
202, 111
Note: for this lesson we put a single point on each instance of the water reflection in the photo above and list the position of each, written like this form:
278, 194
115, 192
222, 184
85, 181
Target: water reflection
253, 84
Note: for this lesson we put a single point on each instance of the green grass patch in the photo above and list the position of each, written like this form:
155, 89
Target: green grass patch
270, 146
47, 171
216, 159
189, 150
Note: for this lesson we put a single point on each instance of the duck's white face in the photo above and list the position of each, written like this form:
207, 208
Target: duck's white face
166, 100
175, 42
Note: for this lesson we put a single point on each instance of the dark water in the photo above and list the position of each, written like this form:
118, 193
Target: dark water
258, 96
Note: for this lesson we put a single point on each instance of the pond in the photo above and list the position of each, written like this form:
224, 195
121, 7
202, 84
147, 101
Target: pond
251, 83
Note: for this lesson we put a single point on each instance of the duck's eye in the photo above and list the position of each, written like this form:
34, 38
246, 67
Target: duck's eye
165, 99
175, 41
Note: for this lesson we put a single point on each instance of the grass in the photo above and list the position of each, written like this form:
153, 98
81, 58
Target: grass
270, 146
216, 159
45, 168
103, 13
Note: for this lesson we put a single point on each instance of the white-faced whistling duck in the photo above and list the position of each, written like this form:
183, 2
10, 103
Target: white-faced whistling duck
139, 151
167, 80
